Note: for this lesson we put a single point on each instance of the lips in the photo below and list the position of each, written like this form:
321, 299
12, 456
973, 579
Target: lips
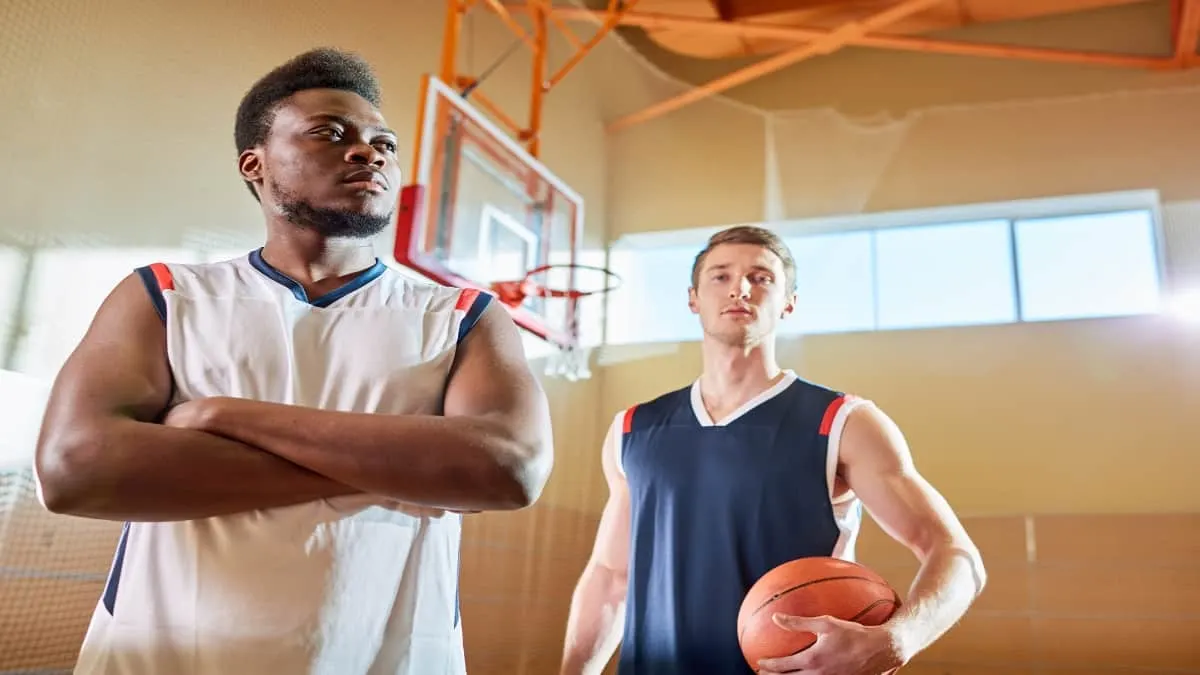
366, 176
745, 311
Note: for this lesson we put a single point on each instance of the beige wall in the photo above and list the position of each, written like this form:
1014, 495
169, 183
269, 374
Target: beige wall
1048, 438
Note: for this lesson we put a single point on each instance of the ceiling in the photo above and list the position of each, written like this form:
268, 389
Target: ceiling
827, 15
746, 39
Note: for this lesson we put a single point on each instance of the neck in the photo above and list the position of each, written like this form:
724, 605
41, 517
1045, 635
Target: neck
736, 373
310, 258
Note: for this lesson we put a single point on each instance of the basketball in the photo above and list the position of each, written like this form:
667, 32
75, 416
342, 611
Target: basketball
809, 587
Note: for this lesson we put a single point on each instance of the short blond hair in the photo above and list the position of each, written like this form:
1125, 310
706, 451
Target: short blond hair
750, 234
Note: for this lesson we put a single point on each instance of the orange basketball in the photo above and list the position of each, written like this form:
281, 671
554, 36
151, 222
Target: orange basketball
809, 587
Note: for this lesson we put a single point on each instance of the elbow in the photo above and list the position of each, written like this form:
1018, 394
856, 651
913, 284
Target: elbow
59, 466
525, 478
980, 571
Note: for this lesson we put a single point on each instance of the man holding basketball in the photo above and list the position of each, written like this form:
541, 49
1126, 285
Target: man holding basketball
713, 485
286, 434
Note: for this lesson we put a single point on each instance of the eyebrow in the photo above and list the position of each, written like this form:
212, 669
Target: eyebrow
721, 266
328, 117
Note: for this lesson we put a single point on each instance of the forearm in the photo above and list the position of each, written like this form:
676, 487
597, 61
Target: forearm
595, 622
946, 585
128, 470
459, 463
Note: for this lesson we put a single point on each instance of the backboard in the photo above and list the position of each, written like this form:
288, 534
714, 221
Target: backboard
480, 209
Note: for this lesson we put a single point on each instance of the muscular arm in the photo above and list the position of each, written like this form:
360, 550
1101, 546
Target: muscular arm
597, 613
101, 453
491, 448
877, 464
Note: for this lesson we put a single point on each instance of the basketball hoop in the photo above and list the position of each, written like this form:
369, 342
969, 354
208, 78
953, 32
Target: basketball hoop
514, 292
570, 284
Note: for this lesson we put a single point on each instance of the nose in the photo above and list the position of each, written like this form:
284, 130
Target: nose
741, 289
365, 153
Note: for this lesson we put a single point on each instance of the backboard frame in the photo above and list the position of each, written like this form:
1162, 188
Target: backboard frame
417, 213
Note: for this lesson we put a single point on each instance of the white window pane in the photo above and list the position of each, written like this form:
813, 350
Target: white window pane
66, 288
835, 284
12, 271
651, 304
1087, 266
945, 275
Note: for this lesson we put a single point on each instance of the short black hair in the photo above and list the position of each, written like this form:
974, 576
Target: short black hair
321, 68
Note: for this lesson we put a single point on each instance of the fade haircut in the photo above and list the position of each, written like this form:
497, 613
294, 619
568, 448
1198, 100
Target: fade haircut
322, 68
750, 234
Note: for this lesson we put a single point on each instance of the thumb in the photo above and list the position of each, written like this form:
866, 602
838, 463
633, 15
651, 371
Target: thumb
806, 624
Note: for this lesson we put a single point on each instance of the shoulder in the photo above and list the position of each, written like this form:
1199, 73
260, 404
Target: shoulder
831, 405
647, 412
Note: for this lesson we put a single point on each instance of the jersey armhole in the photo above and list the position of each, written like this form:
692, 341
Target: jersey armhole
473, 302
157, 278
832, 425
614, 442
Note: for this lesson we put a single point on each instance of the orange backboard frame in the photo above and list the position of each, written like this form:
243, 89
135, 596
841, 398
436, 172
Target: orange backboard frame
426, 214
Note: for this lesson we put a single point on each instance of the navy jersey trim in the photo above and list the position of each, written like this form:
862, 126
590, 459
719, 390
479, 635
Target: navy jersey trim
154, 283
365, 277
474, 302
109, 598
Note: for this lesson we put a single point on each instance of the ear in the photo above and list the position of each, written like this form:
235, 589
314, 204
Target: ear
250, 165
692, 301
789, 306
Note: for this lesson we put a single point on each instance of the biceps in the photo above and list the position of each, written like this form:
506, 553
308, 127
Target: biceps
120, 366
909, 509
611, 549
491, 378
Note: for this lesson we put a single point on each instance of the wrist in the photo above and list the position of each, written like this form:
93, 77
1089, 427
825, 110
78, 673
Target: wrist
213, 414
900, 644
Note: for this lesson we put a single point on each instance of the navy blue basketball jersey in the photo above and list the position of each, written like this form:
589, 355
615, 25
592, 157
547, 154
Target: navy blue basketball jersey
714, 506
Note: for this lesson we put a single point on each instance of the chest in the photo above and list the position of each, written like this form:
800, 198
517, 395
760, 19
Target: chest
356, 358
725, 462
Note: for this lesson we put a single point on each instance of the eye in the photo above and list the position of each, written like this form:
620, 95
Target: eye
387, 146
332, 132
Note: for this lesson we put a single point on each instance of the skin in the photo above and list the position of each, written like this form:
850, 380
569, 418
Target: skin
111, 449
740, 296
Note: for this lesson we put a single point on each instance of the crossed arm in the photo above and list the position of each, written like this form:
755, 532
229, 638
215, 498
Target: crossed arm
104, 453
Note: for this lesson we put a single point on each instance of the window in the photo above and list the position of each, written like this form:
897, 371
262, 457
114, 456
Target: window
12, 272
651, 304
66, 288
1087, 265
835, 284
1033, 260
945, 275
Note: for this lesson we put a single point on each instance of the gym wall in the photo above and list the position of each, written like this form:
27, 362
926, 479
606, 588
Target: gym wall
1068, 447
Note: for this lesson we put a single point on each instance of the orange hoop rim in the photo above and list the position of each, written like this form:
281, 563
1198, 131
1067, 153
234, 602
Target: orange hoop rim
514, 292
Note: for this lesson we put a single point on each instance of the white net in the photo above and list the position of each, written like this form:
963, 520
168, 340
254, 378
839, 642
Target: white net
52, 572
52, 567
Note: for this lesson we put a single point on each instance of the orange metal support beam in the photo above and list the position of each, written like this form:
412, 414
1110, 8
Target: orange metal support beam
538, 81
1187, 33
829, 42
512, 24
610, 22
897, 42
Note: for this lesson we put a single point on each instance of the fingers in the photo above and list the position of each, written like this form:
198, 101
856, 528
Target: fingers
806, 624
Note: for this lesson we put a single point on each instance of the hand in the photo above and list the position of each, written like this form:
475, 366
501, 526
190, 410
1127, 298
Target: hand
190, 415
842, 648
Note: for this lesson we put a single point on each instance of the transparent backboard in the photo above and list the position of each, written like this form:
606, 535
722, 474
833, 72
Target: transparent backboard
480, 209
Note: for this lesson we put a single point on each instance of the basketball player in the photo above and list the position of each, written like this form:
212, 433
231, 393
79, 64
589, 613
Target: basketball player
713, 485
287, 434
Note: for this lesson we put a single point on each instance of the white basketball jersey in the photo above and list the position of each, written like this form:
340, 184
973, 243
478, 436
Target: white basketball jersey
355, 585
